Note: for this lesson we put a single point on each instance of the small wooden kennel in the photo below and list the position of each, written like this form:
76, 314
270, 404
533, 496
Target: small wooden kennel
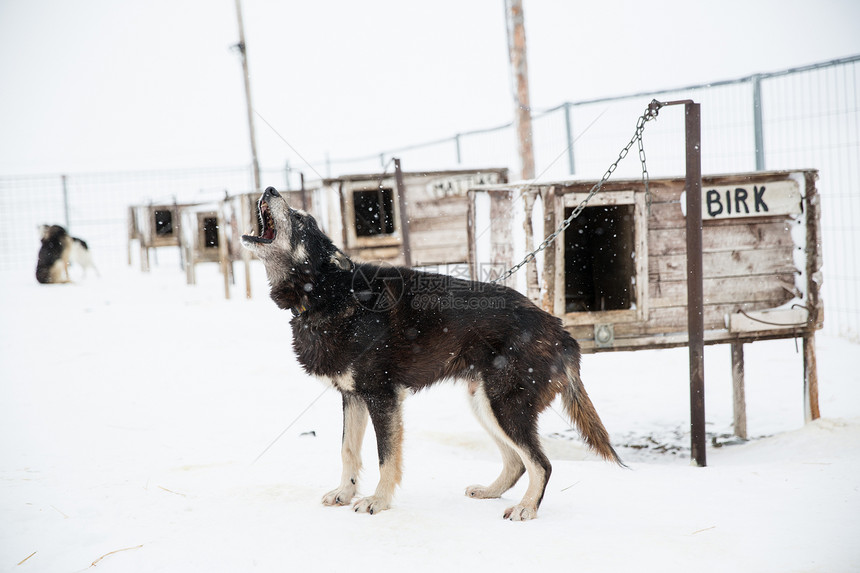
617, 275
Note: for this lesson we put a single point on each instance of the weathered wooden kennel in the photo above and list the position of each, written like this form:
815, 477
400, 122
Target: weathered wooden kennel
205, 237
421, 220
153, 226
617, 276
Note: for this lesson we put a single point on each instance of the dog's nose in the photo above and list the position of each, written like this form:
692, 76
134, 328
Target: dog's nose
271, 192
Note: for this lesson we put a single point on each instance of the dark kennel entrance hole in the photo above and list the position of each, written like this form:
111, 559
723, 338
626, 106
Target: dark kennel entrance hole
210, 232
374, 212
163, 223
599, 264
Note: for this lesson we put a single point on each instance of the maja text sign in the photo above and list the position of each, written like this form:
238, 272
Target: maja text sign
759, 200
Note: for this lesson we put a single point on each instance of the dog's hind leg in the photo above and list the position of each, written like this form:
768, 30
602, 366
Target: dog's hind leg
516, 427
513, 467
354, 425
386, 413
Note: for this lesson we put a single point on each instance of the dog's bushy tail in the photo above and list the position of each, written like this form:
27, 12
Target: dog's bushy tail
582, 413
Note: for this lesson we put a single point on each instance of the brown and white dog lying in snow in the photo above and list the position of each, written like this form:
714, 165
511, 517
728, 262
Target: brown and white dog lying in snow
59, 249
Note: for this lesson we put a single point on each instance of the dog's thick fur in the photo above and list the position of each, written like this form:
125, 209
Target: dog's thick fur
59, 249
379, 333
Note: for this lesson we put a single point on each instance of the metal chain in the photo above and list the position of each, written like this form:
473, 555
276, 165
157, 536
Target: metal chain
650, 113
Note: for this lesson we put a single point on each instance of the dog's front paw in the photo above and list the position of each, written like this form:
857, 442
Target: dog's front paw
520, 513
371, 505
340, 496
481, 492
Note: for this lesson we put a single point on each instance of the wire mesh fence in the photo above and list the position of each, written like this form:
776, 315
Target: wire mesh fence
792, 119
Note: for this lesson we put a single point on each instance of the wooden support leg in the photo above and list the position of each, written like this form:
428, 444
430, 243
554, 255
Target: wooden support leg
246, 260
190, 279
738, 392
810, 380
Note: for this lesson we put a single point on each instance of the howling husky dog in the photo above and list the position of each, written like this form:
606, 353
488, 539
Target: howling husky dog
379, 333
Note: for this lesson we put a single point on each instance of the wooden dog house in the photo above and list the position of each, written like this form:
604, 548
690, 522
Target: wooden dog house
617, 275
153, 226
364, 214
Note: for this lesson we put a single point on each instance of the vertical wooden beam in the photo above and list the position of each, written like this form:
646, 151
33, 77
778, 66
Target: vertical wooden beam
244, 53
813, 300
245, 212
404, 215
520, 79
560, 290
501, 234
532, 287
738, 392
471, 220
131, 231
223, 254
548, 302
810, 380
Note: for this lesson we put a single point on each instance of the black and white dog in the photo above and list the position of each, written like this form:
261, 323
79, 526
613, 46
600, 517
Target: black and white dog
59, 249
380, 333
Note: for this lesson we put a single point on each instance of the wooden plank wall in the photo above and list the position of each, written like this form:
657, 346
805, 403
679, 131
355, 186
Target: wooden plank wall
437, 230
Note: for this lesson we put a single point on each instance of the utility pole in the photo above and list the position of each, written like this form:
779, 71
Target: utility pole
516, 32
243, 52
520, 82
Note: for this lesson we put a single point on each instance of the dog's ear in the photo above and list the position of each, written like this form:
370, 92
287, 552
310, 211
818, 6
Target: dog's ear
340, 260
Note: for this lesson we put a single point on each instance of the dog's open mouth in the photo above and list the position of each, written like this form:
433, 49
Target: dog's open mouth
267, 226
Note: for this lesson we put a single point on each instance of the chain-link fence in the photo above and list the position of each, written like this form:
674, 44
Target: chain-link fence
800, 118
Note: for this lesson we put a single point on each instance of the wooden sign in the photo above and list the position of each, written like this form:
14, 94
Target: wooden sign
759, 200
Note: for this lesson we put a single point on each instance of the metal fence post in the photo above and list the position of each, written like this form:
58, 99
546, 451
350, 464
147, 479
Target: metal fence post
695, 303
66, 201
569, 133
757, 123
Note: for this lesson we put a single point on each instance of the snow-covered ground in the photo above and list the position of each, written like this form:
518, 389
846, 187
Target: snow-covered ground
132, 408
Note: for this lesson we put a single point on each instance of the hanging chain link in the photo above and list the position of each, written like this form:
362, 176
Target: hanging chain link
650, 113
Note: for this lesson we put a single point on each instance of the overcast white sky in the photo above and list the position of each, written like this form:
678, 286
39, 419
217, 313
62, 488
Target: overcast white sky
105, 85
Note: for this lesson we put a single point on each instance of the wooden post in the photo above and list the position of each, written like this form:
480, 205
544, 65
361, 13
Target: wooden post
532, 287
223, 254
404, 216
470, 234
243, 52
131, 232
813, 300
810, 380
501, 236
520, 79
549, 226
247, 217
738, 392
